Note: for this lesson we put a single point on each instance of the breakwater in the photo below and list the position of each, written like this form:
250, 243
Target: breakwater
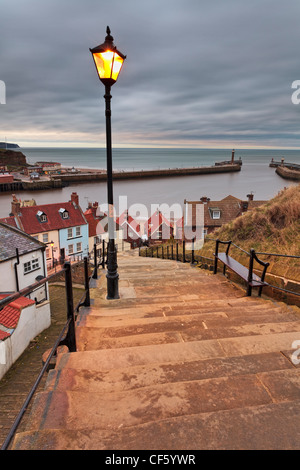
288, 173
127, 175
86, 176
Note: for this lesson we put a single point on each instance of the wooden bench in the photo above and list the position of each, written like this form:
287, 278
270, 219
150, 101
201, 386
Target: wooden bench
247, 274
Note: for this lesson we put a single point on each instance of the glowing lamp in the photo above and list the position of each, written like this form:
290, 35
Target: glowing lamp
108, 60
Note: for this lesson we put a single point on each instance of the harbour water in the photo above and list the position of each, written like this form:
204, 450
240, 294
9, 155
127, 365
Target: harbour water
255, 176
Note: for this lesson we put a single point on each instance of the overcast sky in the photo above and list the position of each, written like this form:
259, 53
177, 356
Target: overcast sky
198, 73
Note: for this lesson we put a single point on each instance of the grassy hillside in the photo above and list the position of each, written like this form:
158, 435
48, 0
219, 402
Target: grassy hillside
273, 228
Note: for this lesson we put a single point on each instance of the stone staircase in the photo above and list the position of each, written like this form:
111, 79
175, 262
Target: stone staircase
183, 360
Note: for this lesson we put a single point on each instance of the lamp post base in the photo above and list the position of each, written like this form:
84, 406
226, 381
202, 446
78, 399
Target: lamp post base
112, 275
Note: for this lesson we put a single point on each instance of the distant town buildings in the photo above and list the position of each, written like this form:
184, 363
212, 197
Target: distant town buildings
62, 227
215, 213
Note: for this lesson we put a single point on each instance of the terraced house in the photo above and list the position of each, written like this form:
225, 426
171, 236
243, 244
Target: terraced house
61, 226
22, 262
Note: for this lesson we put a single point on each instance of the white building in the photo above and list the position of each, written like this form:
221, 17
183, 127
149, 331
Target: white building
22, 263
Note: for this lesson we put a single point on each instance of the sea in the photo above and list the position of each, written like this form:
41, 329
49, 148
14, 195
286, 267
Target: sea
256, 176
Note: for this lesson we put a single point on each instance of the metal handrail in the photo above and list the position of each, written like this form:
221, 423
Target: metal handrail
246, 252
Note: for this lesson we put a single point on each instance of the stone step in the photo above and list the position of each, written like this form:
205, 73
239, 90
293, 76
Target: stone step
70, 410
106, 359
136, 319
93, 338
131, 378
266, 427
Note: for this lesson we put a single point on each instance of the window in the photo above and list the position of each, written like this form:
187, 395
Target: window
64, 214
41, 216
78, 247
27, 267
78, 231
45, 237
31, 265
71, 249
70, 233
97, 240
35, 263
216, 214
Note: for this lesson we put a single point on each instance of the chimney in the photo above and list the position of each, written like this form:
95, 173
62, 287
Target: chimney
75, 198
204, 199
15, 205
232, 157
94, 208
250, 196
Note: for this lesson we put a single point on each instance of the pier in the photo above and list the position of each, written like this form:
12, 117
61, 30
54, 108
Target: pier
84, 176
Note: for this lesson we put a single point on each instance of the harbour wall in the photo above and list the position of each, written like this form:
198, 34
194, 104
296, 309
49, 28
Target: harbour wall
288, 173
127, 175
59, 181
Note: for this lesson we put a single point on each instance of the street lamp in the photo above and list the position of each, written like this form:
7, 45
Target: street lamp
108, 61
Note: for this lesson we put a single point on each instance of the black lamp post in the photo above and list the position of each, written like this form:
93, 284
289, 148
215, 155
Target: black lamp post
108, 61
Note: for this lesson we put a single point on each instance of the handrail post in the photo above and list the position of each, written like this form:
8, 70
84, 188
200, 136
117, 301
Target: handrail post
87, 301
250, 275
172, 251
95, 274
193, 251
177, 255
70, 340
103, 254
183, 251
216, 256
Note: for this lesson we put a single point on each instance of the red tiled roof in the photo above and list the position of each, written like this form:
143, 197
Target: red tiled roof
9, 221
10, 314
95, 227
30, 223
3, 335
126, 218
156, 220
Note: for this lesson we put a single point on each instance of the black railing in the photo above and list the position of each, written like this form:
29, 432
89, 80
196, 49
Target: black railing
67, 337
159, 251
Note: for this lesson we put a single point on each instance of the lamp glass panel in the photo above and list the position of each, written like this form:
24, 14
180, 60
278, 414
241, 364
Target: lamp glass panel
108, 64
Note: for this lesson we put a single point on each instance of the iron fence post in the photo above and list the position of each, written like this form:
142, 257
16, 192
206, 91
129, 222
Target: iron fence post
87, 301
95, 273
70, 340
250, 275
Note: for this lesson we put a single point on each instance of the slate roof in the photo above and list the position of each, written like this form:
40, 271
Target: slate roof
12, 238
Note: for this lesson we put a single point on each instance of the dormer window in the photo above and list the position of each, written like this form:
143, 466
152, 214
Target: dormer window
64, 213
41, 216
216, 214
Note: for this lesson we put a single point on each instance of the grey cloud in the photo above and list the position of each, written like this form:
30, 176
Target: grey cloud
195, 69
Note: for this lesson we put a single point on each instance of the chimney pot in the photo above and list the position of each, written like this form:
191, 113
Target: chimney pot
75, 198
